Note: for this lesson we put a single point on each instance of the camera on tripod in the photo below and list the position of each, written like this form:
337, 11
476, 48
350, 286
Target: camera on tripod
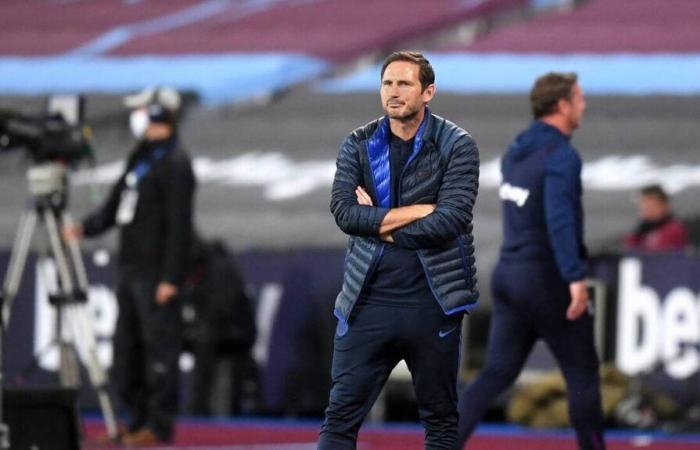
54, 140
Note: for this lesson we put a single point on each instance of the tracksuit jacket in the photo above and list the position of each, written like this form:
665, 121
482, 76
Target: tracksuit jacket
541, 189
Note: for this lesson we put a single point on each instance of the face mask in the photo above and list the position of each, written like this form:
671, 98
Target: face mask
138, 122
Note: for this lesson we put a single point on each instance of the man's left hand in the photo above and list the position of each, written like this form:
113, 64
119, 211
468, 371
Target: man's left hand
165, 292
579, 299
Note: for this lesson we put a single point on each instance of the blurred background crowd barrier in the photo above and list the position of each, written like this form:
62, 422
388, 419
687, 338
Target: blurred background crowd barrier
646, 327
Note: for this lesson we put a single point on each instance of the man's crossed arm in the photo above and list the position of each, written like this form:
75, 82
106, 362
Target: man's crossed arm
396, 217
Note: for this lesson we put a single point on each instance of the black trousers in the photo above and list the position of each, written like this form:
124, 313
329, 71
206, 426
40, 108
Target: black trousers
147, 345
378, 337
530, 302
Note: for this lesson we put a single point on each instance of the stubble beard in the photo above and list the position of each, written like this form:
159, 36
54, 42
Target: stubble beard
406, 116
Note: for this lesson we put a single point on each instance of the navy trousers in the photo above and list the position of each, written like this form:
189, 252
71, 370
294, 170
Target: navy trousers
378, 337
530, 302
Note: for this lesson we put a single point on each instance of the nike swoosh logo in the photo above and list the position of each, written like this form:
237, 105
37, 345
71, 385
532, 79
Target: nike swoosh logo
442, 334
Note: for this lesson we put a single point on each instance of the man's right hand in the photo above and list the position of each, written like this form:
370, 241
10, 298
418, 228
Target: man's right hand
424, 209
72, 232
579, 299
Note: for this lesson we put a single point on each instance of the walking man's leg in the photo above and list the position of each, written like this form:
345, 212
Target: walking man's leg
511, 338
574, 349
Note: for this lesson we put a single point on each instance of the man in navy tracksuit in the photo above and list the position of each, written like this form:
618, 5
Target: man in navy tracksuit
539, 287
404, 190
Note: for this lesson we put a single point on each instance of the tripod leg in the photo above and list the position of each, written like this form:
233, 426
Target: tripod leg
84, 340
58, 252
13, 278
18, 259
69, 367
76, 257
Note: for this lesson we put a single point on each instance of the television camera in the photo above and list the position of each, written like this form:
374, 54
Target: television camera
55, 141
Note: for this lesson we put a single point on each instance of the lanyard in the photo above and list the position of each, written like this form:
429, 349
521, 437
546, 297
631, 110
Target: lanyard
144, 166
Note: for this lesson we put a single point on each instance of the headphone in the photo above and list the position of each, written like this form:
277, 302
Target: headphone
157, 113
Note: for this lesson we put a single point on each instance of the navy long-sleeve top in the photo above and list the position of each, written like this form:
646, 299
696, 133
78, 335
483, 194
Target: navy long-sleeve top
542, 206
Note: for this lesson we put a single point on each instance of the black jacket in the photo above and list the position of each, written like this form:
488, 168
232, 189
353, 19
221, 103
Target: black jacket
158, 240
444, 170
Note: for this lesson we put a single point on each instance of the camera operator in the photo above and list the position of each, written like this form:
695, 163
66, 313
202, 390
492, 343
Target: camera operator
152, 205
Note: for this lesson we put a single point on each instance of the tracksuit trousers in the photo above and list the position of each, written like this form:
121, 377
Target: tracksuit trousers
530, 303
378, 337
